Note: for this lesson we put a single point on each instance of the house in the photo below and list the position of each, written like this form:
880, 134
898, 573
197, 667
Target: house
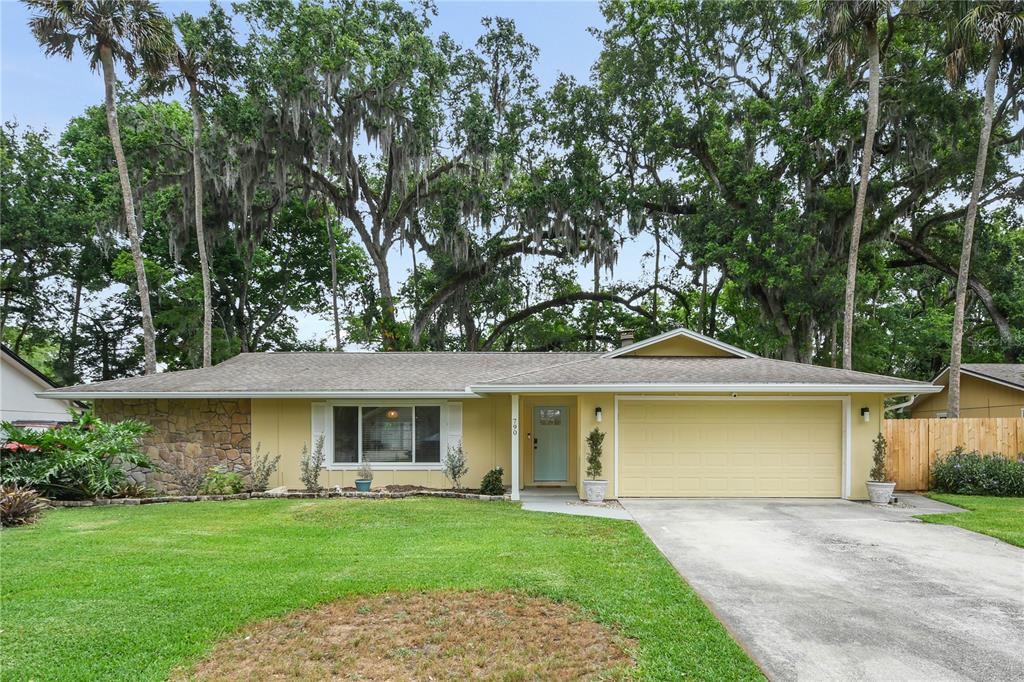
684, 415
19, 384
986, 390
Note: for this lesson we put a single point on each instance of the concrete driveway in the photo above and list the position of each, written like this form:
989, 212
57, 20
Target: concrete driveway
835, 590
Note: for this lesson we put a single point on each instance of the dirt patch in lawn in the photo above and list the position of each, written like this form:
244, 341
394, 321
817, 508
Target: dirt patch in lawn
423, 636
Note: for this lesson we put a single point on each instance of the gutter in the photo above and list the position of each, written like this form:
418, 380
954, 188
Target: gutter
888, 389
101, 395
906, 403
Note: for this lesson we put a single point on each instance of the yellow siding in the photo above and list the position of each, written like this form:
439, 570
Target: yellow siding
285, 425
978, 398
680, 346
588, 402
862, 436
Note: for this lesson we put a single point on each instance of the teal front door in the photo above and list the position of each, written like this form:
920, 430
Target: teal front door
550, 443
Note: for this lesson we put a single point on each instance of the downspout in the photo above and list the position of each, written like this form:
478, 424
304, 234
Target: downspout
906, 403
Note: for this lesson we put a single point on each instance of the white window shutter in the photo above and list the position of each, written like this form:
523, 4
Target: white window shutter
454, 424
321, 427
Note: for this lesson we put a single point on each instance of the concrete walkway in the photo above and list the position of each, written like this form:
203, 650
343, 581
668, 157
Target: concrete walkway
567, 501
835, 590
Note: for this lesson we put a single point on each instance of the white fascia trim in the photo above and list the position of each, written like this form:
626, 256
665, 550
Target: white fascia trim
324, 395
893, 389
674, 333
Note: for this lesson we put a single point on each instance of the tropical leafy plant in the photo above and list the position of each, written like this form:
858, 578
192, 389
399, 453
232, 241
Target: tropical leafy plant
85, 459
19, 506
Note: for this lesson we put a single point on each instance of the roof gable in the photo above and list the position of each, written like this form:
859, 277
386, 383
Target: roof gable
1003, 374
680, 343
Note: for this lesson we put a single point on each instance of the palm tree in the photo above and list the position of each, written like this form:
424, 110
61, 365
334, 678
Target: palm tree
1000, 24
137, 35
203, 60
848, 21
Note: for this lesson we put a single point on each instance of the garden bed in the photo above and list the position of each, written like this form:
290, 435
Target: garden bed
386, 493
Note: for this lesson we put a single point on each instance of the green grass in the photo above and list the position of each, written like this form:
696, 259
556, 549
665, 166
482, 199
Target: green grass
131, 593
1000, 517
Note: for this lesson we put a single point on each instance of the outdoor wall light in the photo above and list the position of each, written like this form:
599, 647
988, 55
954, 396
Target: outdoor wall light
866, 413
598, 414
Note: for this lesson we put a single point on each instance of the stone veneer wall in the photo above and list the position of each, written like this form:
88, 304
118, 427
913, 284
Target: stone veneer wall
194, 433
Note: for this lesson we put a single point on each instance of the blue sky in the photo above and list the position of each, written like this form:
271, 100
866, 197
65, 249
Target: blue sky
46, 92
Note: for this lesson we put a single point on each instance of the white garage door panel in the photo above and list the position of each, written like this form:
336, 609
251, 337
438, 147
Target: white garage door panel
684, 448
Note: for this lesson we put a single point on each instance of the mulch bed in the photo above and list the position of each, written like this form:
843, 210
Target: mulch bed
422, 636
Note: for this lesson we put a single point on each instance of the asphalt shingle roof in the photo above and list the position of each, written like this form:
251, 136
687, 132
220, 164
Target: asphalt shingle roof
308, 373
1005, 372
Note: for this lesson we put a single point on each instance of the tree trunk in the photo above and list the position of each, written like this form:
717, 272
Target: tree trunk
72, 357
964, 272
657, 273
333, 247
862, 193
204, 259
148, 333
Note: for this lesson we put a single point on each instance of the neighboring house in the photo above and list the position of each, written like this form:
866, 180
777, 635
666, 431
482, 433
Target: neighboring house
685, 415
986, 390
19, 384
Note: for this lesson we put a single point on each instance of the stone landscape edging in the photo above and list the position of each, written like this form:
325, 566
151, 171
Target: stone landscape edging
372, 495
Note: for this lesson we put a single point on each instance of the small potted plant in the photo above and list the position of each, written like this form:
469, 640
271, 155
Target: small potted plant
879, 486
593, 484
364, 477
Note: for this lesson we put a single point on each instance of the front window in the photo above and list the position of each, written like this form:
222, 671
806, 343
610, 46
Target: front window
387, 434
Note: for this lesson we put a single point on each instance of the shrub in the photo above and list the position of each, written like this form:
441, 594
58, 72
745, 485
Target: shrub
365, 472
187, 475
971, 473
455, 466
880, 466
134, 489
19, 506
310, 464
492, 485
220, 481
595, 446
261, 468
85, 459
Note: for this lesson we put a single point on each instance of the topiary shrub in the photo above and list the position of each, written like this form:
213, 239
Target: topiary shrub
492, 485
595, 446
971, 473
19, 506
879, 462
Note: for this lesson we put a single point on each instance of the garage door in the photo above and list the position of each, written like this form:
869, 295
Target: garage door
732, 448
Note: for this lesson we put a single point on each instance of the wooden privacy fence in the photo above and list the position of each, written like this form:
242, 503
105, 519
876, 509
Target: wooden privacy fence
915, 443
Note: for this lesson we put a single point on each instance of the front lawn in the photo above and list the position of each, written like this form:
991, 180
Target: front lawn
1000, 517
134, 592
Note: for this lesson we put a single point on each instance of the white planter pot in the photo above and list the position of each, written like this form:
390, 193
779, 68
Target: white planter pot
595, 491
880, 491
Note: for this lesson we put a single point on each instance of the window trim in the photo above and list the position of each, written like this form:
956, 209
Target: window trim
386, 466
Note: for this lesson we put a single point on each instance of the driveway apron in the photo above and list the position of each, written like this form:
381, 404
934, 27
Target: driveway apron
837, 590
